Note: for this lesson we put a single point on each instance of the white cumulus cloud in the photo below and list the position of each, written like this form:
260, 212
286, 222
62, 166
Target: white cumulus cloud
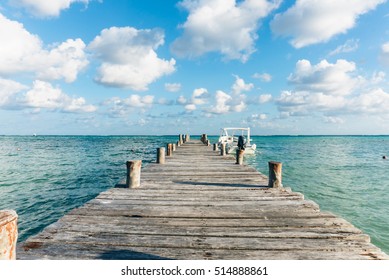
44, 96
221, 107
129, 58
45, 8
329, 78
333, 90
8, 90
240, 86
224, 26
313, 21
23, 52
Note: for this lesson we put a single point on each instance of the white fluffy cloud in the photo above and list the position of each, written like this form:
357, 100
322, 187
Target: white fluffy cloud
221, 107
45, 8
23, 52
233, 102
221, 26
333, 90
313, 21
240, 86
128, 57
199, 97
8, 90
44, 96
325, 77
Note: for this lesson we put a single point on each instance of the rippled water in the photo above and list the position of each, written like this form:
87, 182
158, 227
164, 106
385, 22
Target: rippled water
44, 177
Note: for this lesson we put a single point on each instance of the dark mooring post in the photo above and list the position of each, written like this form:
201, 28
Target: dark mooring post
161, 155
239, 156
215, 147
133, 174
8, 234
169, 151
275, 174
223, 149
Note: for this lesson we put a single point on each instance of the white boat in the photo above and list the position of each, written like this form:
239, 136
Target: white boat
230, 136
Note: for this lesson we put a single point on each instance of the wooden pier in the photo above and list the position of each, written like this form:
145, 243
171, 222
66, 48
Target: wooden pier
199, 205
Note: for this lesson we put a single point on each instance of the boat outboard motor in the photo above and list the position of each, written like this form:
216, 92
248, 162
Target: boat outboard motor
241, 143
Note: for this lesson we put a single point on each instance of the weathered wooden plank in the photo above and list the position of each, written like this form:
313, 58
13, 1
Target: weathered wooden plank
210, 209
201, 242
93, 251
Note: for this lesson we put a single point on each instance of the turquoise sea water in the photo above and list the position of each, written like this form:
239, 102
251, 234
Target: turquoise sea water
44, 177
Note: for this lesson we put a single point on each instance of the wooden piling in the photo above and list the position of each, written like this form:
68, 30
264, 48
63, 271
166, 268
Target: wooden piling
8, 234
275, 174
215, 147
161, 155
204, 138
178, 143
239, 156
223, 149
187, 138
169, 149
180, 139
174, 147
133, 174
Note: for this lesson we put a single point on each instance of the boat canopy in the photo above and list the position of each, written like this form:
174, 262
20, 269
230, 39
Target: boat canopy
236, 131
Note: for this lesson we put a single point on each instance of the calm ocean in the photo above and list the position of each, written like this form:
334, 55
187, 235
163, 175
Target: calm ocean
44, 177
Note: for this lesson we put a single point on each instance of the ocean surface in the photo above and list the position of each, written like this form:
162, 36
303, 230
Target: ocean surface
44, 177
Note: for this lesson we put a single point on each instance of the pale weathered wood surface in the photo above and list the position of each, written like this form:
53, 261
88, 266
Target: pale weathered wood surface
200, 205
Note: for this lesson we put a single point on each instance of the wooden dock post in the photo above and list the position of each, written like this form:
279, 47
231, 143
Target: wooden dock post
275, 174
223, 149
174, 147
133, 174
178, 143
169, 150
215, 147
204, 138
8, 234
239, 156
161, 155
180, 139
187, 138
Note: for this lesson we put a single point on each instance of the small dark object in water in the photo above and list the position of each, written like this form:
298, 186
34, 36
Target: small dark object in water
241, 144
383, 157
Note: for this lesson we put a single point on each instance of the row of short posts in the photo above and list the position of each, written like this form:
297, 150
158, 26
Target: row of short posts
275, 168
134, 166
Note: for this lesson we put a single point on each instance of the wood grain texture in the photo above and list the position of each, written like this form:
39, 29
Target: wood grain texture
200, 205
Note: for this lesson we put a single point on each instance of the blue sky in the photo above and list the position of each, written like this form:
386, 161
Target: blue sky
110, 67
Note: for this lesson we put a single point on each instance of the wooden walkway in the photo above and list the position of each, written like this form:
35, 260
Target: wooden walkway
200, 205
